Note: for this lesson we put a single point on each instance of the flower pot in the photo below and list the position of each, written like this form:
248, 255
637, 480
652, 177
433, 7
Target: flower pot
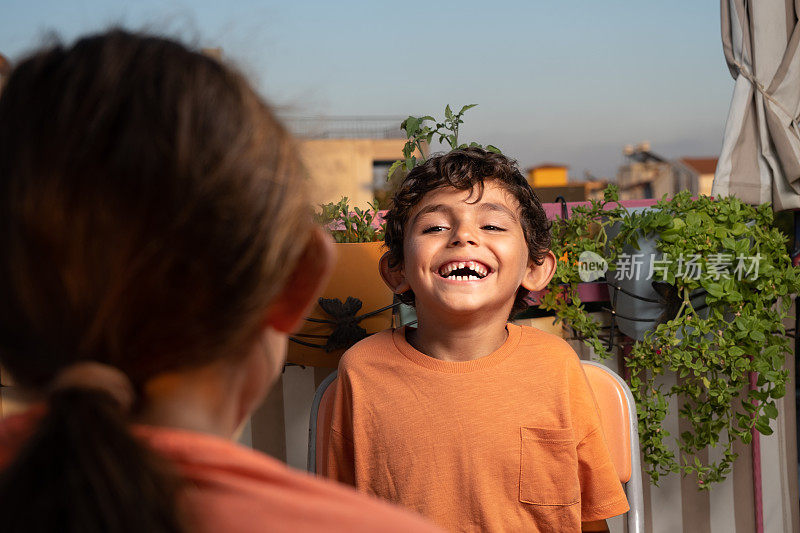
640, 304
336, 323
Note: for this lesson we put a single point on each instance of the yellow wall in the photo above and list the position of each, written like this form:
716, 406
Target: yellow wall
704, 183
343, 167
547, 176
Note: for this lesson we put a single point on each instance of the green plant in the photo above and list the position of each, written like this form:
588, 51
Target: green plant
360, 225
420, 135
350, 226
712, 352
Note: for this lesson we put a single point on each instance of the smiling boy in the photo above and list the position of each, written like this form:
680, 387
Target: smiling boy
475, 423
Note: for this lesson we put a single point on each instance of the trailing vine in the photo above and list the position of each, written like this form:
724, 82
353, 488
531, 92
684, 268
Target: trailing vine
712, 352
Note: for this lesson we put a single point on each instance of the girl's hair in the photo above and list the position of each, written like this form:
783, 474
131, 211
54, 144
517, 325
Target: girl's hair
151, 208
5, 67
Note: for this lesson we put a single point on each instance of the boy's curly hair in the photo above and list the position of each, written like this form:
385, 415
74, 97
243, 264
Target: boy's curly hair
466, 169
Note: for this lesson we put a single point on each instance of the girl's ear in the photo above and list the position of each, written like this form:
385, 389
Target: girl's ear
394, 278
538, 276
309, 277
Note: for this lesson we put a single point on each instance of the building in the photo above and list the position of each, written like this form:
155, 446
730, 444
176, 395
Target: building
578, 191
348, 156
548, 175
551, 181
647, 174
704, 167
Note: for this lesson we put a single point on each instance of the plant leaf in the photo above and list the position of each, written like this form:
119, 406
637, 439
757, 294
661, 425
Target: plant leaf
397, 164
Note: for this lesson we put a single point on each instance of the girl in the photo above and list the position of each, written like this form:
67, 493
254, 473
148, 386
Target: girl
156, 246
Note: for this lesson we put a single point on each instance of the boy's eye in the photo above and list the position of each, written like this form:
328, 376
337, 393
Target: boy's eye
433, 229
492, 227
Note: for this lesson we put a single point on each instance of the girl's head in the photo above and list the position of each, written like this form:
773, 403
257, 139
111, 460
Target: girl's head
150, 204
153, 215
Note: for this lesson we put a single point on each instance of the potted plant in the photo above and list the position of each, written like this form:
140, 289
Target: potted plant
723, 277
420, 135
639, 301
356, 302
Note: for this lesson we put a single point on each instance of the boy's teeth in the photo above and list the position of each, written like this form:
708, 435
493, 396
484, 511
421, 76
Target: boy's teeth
465, 278
474, 266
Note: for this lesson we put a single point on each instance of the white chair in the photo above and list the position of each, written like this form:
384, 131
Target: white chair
321, 411
621, 428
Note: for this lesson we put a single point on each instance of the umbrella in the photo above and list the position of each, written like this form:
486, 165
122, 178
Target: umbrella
760, 159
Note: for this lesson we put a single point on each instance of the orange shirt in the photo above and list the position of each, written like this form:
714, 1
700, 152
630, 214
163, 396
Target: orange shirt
233, 488
508, 442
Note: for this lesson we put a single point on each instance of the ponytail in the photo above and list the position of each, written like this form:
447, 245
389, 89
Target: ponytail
83, 471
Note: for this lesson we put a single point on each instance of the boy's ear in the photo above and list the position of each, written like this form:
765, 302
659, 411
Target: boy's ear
538, 276
394, 278
309, 277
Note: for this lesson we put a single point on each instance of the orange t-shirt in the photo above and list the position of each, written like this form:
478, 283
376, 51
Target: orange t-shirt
232, 488
508, 442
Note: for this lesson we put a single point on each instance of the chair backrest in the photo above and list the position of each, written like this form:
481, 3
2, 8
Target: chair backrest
620, 426
319, 425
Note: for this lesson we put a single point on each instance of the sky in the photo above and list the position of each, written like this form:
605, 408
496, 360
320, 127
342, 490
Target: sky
562, 81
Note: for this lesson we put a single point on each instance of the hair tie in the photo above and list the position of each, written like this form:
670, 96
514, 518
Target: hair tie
96, 376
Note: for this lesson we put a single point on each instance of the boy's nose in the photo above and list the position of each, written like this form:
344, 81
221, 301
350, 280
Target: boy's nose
463, 236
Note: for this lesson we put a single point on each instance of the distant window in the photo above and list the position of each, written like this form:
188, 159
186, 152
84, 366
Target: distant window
380, 169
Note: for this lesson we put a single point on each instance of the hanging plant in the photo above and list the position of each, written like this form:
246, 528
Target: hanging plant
732, 254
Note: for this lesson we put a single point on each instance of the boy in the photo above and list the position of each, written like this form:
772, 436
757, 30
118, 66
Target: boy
475, 423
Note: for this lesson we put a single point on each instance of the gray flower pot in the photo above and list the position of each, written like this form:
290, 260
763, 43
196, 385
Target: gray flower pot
637, 305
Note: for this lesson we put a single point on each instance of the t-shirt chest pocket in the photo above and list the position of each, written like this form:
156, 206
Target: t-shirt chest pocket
548, 467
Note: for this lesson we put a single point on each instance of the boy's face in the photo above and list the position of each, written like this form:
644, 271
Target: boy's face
465, 257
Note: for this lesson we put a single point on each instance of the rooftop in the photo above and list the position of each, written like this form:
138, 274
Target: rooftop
701, 165
321, 127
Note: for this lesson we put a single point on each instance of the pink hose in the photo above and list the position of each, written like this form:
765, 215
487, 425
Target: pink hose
758, 498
